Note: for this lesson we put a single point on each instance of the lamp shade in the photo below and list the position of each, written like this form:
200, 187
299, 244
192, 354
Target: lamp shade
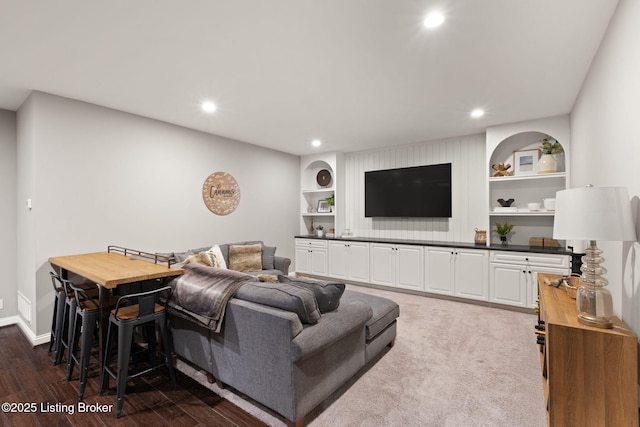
593, 213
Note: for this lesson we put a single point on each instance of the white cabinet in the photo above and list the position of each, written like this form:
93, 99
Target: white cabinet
349, 260
457, 272
396, 265
514, 275
311, 256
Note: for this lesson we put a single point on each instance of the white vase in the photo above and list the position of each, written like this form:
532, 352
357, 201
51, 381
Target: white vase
547, 164
320, 233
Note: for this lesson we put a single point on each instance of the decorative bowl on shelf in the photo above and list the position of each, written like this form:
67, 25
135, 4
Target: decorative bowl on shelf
533, 206
505, 203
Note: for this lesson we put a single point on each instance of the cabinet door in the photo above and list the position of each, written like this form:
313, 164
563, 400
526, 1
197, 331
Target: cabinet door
532, 283
471, 274
338, 260
303, 260
382, 260
358, 261
439, 270
319, 262
508, 284
408, 265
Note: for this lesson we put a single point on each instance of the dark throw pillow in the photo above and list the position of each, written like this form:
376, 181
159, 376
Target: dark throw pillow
283, 296
327, 293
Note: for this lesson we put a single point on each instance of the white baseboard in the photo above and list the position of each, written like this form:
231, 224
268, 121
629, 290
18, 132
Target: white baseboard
6, 321
28, 333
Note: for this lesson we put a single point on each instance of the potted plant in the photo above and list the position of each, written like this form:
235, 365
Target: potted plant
320, 231
503, 230
551, 150
331, 201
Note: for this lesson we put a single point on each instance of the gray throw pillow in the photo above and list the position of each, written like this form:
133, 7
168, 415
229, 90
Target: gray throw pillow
283, 296
268, 254
327, 294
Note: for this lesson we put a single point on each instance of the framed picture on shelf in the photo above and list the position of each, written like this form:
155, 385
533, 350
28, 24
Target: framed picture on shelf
323, 206
526, 162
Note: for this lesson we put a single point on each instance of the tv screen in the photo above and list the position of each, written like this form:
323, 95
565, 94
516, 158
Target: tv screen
421, 191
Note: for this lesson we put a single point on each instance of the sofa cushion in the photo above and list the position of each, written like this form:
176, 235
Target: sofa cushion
385, 311
283, 296
327, 293
245, 257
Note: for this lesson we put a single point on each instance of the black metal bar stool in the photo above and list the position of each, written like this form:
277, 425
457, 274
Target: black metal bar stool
143, 309
68, 314
83, 329
57, 323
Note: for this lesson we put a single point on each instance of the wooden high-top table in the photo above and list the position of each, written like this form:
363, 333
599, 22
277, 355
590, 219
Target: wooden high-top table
109, 270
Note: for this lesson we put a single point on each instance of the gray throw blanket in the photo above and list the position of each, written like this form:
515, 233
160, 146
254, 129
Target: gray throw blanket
204, 292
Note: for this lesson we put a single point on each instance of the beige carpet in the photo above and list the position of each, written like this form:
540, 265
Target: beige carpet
454, 364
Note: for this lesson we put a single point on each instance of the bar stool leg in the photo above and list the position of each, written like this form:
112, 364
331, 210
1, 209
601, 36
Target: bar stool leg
125, 335
104, 385
74, 333
164, 333
58, 319
88, 329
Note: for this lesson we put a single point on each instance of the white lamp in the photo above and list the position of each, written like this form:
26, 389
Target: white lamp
594, 213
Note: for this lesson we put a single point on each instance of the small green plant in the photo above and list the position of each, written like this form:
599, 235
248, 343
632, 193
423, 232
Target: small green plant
320, 227
331, 200
503, 229
550, 146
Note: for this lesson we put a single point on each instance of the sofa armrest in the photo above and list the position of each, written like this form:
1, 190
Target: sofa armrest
332, 326
282, 264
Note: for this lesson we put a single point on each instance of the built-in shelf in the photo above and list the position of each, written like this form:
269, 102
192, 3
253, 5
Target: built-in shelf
540, 213
528, 177
318, 214
318, 191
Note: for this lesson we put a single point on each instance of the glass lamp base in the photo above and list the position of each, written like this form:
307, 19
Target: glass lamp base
596, 323
595, 306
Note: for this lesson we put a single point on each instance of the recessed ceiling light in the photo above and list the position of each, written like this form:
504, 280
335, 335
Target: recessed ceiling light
478, 112
316, 143
208, 106
433, 20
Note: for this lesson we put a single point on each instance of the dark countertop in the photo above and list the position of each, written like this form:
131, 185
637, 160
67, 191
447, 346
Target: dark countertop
466, 245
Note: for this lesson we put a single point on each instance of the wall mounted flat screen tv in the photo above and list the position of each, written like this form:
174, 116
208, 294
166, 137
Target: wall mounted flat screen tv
414, 192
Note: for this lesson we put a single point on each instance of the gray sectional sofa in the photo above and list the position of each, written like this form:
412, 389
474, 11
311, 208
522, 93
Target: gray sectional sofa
274, 349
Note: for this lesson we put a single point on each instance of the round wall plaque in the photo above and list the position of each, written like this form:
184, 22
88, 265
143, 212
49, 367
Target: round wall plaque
221, 193
323, 178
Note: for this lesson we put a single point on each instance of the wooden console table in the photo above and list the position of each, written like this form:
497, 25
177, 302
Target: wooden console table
590, 374
109, 270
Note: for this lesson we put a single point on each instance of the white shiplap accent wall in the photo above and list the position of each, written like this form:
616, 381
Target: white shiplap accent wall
469, 176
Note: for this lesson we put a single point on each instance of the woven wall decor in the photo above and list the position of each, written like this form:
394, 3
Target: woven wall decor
221, 193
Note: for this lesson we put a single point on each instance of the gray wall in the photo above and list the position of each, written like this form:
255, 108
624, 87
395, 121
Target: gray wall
97, 177
8, 284
605, 150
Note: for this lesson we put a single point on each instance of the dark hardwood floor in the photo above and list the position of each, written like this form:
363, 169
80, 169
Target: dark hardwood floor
29, 379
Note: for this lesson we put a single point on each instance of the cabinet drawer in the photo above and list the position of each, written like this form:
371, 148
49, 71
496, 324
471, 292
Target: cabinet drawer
311, 243
545, 260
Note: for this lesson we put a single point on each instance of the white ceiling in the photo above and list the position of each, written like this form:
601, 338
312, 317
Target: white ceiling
357, 74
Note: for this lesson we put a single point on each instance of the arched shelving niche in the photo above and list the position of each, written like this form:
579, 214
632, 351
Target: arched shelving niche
313, 192
528, 186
